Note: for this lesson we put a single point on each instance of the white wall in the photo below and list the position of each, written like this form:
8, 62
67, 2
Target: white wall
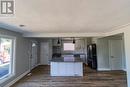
127, 52
103, 52
22, 57
123, 55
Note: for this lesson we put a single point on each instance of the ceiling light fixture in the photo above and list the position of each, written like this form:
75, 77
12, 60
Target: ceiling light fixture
21, 25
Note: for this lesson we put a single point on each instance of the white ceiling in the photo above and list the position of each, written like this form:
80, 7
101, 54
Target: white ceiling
65, 16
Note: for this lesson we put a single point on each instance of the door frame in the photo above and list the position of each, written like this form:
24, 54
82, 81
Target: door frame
30, 55
109, 41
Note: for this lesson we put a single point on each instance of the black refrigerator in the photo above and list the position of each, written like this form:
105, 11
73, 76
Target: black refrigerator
92, 56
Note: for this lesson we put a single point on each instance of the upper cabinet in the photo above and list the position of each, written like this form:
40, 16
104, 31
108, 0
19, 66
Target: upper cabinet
56, 47
94, 40
80, 46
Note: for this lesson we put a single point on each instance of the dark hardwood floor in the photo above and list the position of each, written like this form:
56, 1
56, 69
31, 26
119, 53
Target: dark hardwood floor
40, 77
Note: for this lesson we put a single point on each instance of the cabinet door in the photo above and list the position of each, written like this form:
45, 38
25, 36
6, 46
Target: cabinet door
54, 69
83, 58
62, 69
70, 69
78, 69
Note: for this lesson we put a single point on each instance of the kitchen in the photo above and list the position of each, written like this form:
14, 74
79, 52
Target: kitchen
66, 56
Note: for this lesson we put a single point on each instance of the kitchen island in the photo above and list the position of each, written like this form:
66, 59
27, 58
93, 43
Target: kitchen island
66, 66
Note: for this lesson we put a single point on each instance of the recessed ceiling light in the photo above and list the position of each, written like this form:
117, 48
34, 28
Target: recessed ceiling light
21, 25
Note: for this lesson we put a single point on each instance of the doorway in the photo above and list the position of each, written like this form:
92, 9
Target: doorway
34, 55
44, 53
115, 54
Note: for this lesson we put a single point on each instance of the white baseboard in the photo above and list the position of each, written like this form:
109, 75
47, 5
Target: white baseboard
124, 69
43, 64
18, 78
34, 67
38, 64
104, 69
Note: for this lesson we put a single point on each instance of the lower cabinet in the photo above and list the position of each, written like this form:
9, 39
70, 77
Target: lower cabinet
66, 69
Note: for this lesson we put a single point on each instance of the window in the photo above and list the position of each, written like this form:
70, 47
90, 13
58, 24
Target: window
69, 46
6, 57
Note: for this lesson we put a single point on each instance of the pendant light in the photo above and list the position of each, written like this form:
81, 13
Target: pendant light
73, 40
58, 42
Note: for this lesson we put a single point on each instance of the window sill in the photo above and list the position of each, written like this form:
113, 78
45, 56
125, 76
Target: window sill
5, 78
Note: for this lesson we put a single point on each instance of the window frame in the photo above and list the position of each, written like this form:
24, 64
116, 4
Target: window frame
68, 50
13, 54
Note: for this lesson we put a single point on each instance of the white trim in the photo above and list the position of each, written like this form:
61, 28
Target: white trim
38, 64
31, 58
109, 45
118, 30
16, 79
7, 36
98, 34
62, 34
110, 61
13, 54
104, 69
5, 78
44, 64
4, 64
35, 66
115, 30
124, 69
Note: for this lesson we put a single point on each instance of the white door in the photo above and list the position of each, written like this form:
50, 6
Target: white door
44, 55
33, 55
115, 54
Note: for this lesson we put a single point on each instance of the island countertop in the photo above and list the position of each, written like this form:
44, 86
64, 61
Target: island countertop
66, 59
